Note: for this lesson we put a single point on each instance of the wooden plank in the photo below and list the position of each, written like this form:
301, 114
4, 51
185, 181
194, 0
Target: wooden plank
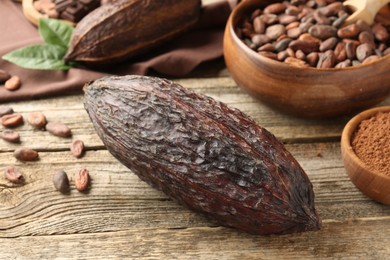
119, 200
358, 239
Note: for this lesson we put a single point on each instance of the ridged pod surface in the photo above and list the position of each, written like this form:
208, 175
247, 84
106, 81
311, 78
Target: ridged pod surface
127, 28
207, 156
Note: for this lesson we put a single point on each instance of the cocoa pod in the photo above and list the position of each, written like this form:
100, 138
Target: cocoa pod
207, 156
125, 29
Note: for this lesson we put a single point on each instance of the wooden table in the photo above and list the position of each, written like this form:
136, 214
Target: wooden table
122, 217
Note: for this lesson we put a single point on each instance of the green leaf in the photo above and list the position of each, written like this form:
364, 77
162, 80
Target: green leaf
55, 32
43, 57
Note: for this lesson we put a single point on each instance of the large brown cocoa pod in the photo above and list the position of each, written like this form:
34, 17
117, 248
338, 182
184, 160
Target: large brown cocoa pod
127, 28
207, 156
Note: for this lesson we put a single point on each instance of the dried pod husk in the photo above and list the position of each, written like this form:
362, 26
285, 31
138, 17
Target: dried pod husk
207, 156
127, 28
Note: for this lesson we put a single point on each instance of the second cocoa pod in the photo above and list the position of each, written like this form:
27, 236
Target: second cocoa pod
124, 29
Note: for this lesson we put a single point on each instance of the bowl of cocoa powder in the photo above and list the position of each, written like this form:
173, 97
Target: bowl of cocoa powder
297, 56
365, 149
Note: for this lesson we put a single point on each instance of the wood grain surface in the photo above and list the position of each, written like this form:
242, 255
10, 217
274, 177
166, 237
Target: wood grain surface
121, 217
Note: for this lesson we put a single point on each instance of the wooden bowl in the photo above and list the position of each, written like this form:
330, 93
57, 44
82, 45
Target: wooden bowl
33, 15
305, 92
373, 184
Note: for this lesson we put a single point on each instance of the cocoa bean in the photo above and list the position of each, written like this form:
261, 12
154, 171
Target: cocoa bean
274, 31
296, 62
386, 51
36, 119
363, 51
305, 27
294, 33
282, 45
312, 59
308, 37
292, 10
370, 59
350, 49
331, 9
349, 31
61, 181
290, 52
340, 52
323, 32
256, 13
191, 147
328, 44
321, 18
268, 47
367, 37
305, 46
58, 129
326, 60
276, 8
343, 64
5, 111
269, 55
13, 175
363, 26
300, 55
340, 20
258, 25
269, 19
380, 32
287, 19
12, 120
26, 154
292, 25
260, 39
282, 55
4, 76
10, 136
77, 148
82, 180
13, 83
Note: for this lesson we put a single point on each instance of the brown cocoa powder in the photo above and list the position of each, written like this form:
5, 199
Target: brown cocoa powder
371, 142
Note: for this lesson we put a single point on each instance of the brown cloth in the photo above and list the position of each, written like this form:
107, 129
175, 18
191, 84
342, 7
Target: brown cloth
176, 58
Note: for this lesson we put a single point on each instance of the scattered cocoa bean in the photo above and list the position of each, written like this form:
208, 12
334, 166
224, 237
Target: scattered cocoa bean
4, 76
77, 148
12, 120
61, 181
58, 129
26, 154
6, 111
13, 175
82, 180
13, 83
10, 136
36, 119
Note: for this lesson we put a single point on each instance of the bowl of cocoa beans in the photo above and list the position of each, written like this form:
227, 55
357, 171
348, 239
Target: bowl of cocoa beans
298, 56
365, 150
